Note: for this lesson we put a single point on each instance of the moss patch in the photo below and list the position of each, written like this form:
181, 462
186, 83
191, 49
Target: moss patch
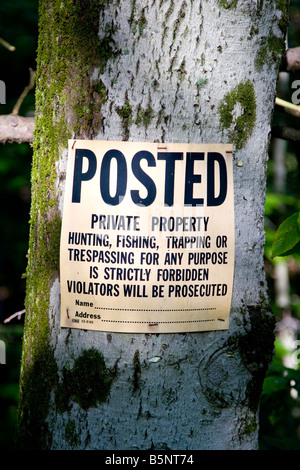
87, 383
228, 4
283, 6
270, 51
240, 127
144, 116
248, 425
35, 392
71, 434
256, 354
125, 113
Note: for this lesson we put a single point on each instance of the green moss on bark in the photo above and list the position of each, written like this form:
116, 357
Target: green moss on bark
228, 4
71, 435
283, 7
68, 104
144, 116
125, 113
239, 122
87, 383
257, 355
271, 51
38, 379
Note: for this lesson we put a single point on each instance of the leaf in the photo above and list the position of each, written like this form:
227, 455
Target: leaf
287, 237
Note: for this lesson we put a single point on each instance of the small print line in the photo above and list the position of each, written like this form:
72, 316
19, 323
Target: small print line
154, 310
158, 322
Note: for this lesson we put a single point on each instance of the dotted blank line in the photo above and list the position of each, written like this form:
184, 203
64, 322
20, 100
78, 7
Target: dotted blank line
154, 310
158, 322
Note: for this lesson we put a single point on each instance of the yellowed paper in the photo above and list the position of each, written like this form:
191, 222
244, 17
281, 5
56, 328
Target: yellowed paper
147, 241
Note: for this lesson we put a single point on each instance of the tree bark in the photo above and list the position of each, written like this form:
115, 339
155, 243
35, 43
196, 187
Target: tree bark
154, 71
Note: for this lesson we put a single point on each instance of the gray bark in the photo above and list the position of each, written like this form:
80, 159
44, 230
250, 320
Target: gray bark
174, 64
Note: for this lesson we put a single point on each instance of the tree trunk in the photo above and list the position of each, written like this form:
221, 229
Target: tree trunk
187, 71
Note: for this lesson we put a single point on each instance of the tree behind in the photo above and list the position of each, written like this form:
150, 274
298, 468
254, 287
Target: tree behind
167, 72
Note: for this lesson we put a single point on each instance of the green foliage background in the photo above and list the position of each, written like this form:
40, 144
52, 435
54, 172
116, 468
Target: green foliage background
280, 402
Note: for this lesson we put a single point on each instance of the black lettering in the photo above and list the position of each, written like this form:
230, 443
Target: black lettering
170, 158
121, 177
143, 178
191, 179
78, 175
211, 159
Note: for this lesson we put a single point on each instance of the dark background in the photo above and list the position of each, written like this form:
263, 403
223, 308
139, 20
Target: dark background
280, 403
19, 27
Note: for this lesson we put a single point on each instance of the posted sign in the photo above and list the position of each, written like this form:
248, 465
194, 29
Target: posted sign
147, 242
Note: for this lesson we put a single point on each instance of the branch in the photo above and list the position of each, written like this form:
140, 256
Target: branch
290, 108
16, 129
7, 45
286, 133
25, 92
17, 314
